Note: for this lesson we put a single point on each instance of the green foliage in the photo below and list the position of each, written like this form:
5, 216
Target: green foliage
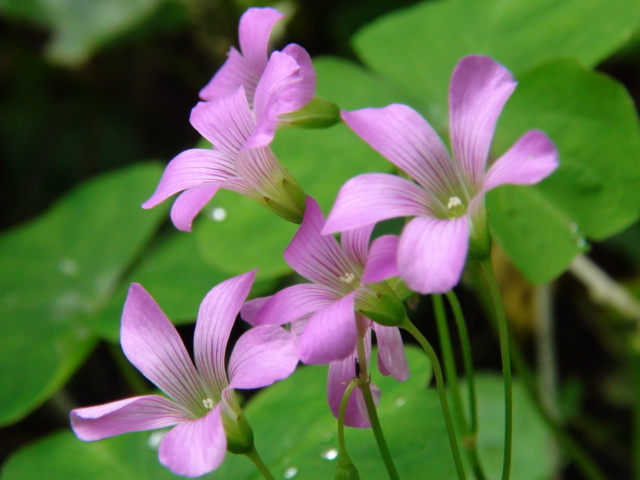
594, 192
295, 432
80, 27
418, 47
58, 272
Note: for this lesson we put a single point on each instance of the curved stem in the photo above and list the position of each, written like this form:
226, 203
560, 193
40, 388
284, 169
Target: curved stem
469, 432
503, 334
435, 363
259, 463
344, 456
364, 384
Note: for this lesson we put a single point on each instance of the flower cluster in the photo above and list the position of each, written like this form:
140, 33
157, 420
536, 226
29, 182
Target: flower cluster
331, 319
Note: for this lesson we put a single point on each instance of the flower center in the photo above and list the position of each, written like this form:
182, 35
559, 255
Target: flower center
208, 404
455, 207
348, 278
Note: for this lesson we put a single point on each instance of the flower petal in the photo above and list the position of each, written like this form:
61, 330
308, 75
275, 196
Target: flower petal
355, 244
153, 345
129, 415
391, 356
254, 31
306, 89
373, 197
292, 303
245, 68
188, 205
340, 373
317, 257
400, 134
192, 168
330, 333
250, 309
432, 253
532, 158
280, 90
383, 259
479, 89
195, 448
216, 317
262, 356
227, 122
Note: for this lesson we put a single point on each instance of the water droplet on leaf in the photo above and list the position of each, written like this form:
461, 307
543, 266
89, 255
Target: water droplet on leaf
218, 214
329, 454
290, 472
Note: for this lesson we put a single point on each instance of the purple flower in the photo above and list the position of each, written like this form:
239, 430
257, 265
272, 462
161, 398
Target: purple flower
246, 98
323, 313
446, 196
202, 404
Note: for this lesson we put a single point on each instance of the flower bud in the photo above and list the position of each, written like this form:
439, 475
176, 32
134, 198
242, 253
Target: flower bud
318, 113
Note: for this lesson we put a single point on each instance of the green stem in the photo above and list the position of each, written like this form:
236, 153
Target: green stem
260, 465
343, 407
364, 384
503, 334
469, 433
435, 363
468, 361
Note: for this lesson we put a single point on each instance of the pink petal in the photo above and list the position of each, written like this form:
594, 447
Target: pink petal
261, 171
391, 356
250, 309
330, 333
196, 447
355, 244
400, 134
234, 73
373, 197
307, 87
192, 168
130, 415
280, 91
245, 69
262, 356
188, 205
216, 317
432, 253
153, 345
532, 158
317, 257
383, 259
292, 303
340, 373
479, 89
254, 31
227, 122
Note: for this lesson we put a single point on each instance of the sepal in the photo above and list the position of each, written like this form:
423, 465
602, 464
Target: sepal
379, 302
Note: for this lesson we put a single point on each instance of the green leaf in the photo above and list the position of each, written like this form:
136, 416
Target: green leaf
58, 272
296, 435
176, 276
418, 47
594, 192
351, 86
80, 27
62, 456
250, 236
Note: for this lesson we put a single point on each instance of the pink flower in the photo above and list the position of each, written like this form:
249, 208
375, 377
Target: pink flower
446, 196
202, 404
246, 97
323, 313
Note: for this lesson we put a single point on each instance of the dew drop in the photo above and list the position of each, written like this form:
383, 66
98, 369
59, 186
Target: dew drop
218, 214
400, 401
68, 267
329, 454
573, 227
581, 243
290, 472
155, 438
